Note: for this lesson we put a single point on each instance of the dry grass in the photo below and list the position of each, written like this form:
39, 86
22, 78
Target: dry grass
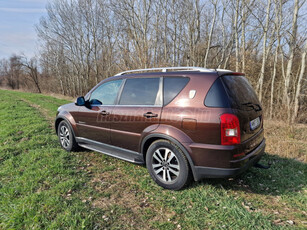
61, 96
284, 140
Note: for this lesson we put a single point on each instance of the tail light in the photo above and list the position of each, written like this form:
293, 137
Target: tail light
230, 129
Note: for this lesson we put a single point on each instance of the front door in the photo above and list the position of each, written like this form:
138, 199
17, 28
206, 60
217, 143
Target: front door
93, 121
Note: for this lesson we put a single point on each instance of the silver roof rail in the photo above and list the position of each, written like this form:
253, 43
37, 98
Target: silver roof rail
165, 69
226, 70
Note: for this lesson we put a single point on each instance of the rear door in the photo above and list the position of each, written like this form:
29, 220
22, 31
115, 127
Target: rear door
138, 109
245, 104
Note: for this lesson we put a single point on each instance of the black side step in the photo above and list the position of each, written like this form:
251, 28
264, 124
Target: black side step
123, 154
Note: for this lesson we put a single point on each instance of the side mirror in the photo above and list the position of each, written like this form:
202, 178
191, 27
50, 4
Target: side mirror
95, 102
80, 101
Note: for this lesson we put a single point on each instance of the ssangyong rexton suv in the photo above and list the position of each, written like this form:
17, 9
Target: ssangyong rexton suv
182, 122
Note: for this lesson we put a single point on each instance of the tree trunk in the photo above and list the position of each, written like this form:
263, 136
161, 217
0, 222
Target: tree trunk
292, 45
299, 84
243, 36
237, 34
210, 34
278, 23
264, 51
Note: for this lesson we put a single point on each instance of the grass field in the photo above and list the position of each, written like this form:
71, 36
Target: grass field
44, 187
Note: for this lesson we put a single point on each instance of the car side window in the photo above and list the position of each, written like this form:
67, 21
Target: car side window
172, 86
216, 96
106, 93
140, 91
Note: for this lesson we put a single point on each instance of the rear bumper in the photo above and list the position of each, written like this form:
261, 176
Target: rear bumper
246, 162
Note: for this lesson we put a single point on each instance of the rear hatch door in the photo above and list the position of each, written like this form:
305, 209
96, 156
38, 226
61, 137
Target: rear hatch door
246, 106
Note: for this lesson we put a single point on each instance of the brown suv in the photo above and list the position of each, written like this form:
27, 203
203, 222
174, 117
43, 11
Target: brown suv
181, 122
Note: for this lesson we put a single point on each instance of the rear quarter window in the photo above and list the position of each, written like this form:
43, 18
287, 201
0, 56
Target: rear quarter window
217, 96
172, 86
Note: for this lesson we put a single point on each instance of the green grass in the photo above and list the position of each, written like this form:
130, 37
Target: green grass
44, 187
36, 176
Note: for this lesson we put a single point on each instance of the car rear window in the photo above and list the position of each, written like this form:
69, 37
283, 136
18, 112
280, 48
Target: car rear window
240, 91
216, 96
172, 86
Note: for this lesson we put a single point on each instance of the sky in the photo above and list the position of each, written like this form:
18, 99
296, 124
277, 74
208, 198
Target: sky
17, 26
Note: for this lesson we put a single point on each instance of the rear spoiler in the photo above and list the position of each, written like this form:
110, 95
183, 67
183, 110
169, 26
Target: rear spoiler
222, 73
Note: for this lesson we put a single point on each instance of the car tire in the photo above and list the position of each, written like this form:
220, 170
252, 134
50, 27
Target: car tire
66, 137
167, 165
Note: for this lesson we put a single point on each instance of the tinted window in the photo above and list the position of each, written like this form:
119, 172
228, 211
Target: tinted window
106, 93
172, 87
140, 91
240, 92
216, 96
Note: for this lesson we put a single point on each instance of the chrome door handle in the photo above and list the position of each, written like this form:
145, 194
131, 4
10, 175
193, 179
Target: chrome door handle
150, 115
104, 113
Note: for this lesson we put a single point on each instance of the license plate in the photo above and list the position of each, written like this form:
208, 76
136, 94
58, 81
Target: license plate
254, 124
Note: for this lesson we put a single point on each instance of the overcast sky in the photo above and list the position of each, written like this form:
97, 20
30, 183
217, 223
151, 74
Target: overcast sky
17, 20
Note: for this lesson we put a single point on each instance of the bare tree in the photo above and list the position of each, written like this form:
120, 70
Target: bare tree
11, 71
236, 32
31, 71
299, 83
214, 3
264, 50
278, 24
87, 40
292, 47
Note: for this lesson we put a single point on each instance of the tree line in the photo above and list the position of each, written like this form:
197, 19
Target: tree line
85, 41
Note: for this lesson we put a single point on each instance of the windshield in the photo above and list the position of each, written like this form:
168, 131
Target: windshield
240, 92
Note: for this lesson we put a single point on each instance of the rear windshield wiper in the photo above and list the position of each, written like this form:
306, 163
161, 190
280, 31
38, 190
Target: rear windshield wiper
255, 106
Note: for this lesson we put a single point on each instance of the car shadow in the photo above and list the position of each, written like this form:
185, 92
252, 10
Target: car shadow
283, 177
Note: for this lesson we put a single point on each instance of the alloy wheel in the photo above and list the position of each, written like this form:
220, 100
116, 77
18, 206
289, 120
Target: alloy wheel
165, 165
64, 136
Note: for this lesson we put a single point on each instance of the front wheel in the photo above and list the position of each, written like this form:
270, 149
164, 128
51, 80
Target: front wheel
167, 165
66, 137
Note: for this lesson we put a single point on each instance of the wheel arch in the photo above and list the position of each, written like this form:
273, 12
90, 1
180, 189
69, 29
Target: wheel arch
60, 118
148, 140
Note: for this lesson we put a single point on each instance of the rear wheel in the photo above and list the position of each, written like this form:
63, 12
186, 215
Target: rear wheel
66, 137
167, 165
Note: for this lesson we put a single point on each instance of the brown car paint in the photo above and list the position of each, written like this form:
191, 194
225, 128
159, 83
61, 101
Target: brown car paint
94, 123
128, 123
